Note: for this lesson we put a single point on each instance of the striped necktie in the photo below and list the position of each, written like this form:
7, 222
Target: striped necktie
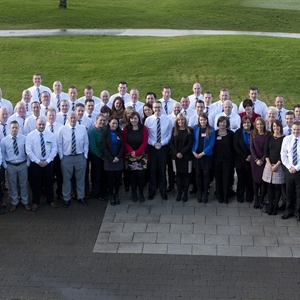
27, 106
158, 133
133, 106
58, 102
73, 151
15, 145
295, 158
43, 149
166, 107
279, 116
73, 106
39, 94
289, 131
51, 128
65, 119
4, 129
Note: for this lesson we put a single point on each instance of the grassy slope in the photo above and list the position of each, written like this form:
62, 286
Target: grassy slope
148, 63
188, 14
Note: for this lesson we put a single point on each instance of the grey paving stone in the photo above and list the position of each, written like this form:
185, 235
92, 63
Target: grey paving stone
151, 218
193, 219
252, 230
291, 222
216, 220
120, 237
228, 229
241, 240
155, 248
132, 209
171, 219
204, 250
265, 220
179, 249
279, 252
144, 237
207, 211
296, 251
111, 227
275, 231
106, 247
229, 250
205, 229
123, 208
265, 241
182, 228
183, 210
288, 241
130, 248
161, 210
227, 211
233, 220
125, 218
294, 231
103, 237
187, 238
108, 218
249, 212
169, 238
135, 227
159, 228
216, 239
254, 251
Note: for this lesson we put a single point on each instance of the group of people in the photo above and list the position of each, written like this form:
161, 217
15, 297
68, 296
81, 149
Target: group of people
53, 135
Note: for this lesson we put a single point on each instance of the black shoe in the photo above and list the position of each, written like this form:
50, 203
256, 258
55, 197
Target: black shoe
134, 198
193, 191
142, 198
66, 204
170, 188
151, 196
83, 202
281, 207
164, 196
112, 200
287, 215
178, 198
117, 199
185, 197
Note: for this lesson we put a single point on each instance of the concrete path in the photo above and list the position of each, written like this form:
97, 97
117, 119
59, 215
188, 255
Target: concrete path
137, 32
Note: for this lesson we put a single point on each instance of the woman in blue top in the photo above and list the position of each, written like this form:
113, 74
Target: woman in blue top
203, 143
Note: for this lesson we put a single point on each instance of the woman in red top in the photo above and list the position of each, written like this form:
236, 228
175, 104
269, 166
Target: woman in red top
136, 139
248, 107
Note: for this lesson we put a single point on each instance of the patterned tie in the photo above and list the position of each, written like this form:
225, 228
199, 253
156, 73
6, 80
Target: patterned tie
133, 106
4, 129
15, 145
222, 108
289, 131
158, 133
279, 116
90, 116
43, 149
196, 99
185, 112
23, 119
79, 121
39, 94
295, 152
73, 141
58, 102
65, 119
206, 109
253, 106
51, 128
166, 107
27, 106
73, 106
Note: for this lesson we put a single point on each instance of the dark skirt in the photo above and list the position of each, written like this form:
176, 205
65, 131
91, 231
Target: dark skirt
110, 166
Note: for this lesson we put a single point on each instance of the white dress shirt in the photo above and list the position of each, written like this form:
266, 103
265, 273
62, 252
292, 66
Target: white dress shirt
7, 149
34, 92
234, 119
62, 96
8, 105
170, 104
93, 116
286, 152
44, 109
218, 107
65, 140
100, 105
62, 118
56, 127
193, 99
259, 107
7, 130
166, 126
20, 120
189, 112
85, 121
30, 124
283, 111
136, 106
286, 130
34, 149
194, 121
82, 100
126, 98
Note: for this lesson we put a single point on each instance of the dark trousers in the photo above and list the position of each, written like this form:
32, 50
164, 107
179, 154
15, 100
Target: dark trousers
202, 180
98, 177
38, 174
171, 173
158, 162
58, 174
113, 182
244, 184
137, 181
292, 188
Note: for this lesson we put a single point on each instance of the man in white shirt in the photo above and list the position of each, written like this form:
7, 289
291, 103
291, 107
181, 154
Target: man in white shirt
30, 122
208, 106
4, 125
20, 116
279, 102
150, 98
297, 112
177, 108
41, 147
219, 105
259, 107
186, 108
289, 121
160, 130
6, 103
104, 101
73, 147
234, 119
62, 116
194, 120
134, 100
122, 88
290, 158
89, 110
46, 104
26, 98
72, 92
196, 95
37, 89
58, 95
16, 163
166, 100
88, 94
81, 118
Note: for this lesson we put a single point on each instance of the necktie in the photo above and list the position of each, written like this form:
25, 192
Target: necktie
46, 108
295, 152
65, 119
51, 128
4, 129
253, 106
73, 141
39, 94
58, 102
79, 121
158, 133
133, 106
90, 116
27, 106
166, 107
15, 145
289, 131
73, 106
43, 149
23, 119
185, 112
279, 116
222, 108
206, 110
196, 99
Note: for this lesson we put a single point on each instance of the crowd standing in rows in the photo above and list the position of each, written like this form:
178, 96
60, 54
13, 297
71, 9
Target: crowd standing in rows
118, 139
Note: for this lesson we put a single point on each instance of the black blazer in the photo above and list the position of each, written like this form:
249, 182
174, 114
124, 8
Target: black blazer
108, 150
241, 151
186, 149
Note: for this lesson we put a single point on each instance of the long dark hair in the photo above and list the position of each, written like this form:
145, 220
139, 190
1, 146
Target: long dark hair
209, 129
118, 130
140, 125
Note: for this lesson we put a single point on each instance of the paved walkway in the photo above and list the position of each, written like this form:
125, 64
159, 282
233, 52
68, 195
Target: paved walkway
137, 32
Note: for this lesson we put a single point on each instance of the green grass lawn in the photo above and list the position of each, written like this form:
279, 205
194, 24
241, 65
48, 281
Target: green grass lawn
189, 14
148, 63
